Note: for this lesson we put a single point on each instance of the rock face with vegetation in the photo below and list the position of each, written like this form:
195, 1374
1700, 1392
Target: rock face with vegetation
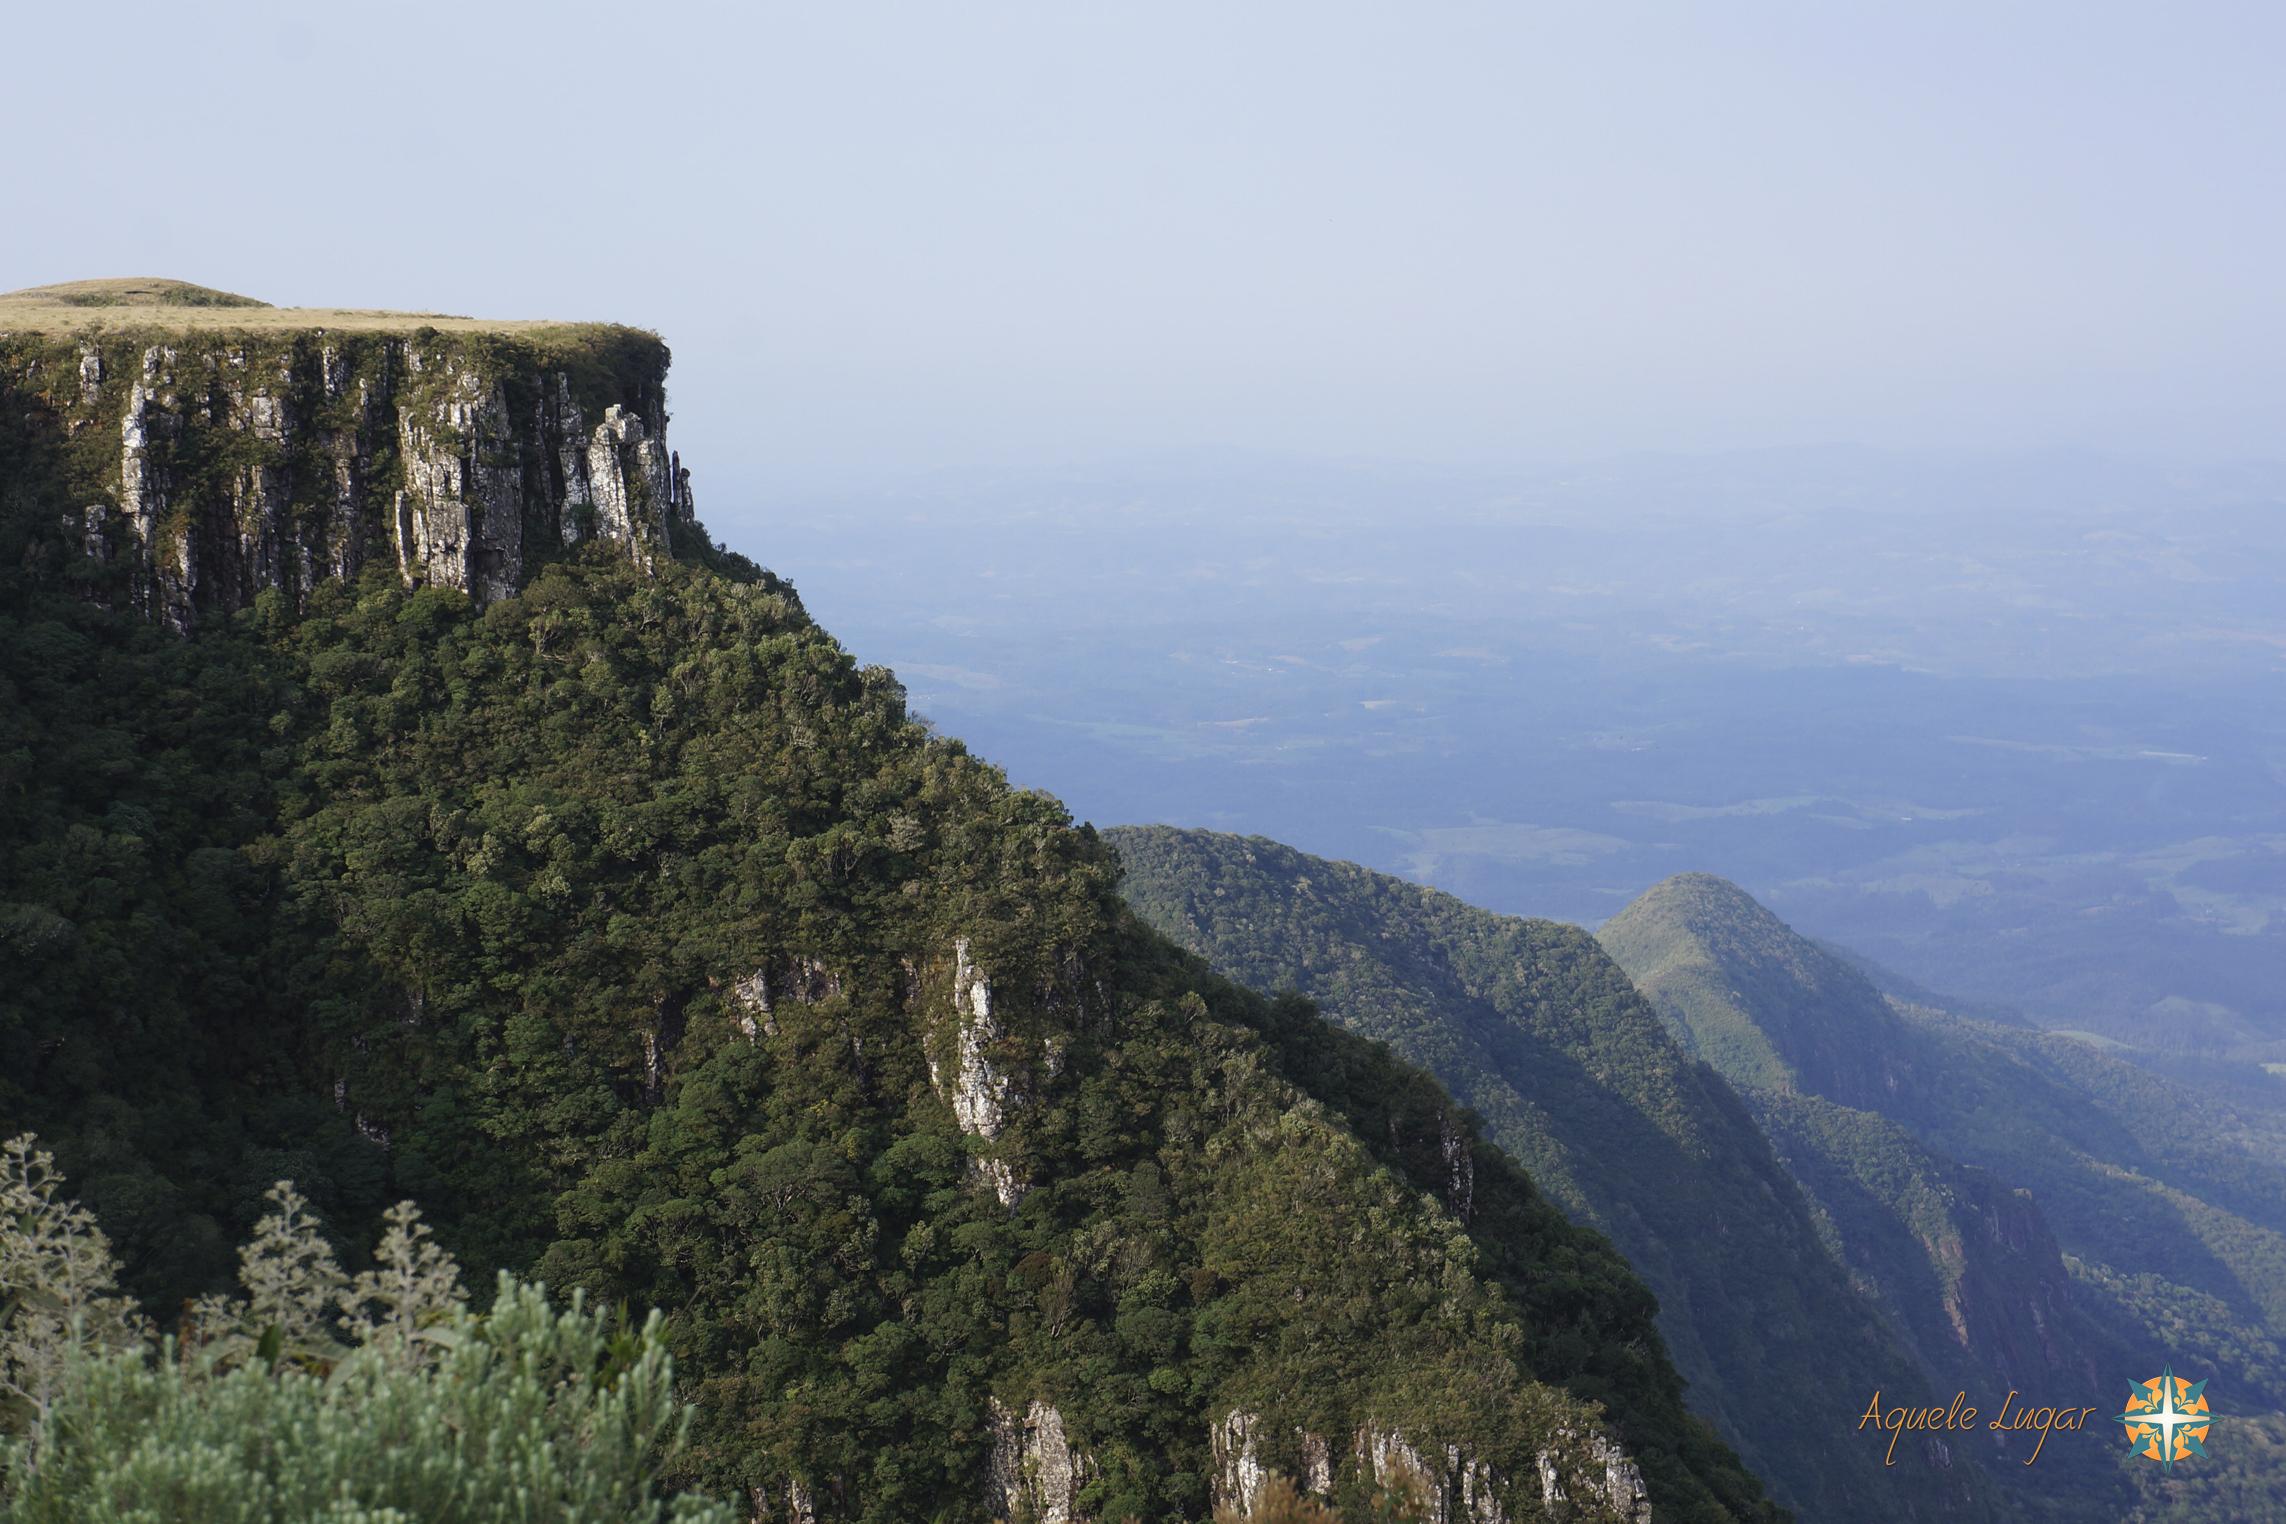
1536, 1030
206, 464
621, 920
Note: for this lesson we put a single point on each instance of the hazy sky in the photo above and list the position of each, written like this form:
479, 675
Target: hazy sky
884, 237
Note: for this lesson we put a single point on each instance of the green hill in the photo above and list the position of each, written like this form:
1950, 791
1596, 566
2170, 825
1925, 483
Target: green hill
1918, 1129
642, 937
1537, 1030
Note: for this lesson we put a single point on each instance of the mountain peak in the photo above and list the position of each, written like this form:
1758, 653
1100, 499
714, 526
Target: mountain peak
1766, 1006
1533, 1027
1700, 897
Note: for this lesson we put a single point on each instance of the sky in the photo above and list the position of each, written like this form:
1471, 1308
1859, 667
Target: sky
887, 239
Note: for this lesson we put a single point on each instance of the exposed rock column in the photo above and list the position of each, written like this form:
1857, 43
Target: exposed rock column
1034, 1470
978, 1091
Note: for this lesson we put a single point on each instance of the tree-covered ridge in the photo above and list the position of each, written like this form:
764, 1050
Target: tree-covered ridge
2169, 1206
624, 924
1536, 1030
2133, 1171
1766, 1008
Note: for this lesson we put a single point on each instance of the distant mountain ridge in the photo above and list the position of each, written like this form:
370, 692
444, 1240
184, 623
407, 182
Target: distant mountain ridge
2103, 1143
1539, 1032
2139, 1219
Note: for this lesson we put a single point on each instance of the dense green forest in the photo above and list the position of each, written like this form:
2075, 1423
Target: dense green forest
647, 942
1922, 1131
1537, 1030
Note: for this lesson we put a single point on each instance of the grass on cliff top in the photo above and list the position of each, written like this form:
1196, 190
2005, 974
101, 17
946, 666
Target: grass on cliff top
137, 303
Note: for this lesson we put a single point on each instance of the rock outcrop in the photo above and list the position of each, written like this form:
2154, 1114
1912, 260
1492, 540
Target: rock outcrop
979, 1090
1034, 1472
1609, 1484
1580, 1476
754, 996
206, 467
1242, 1470
1457, 1489
1239, 1474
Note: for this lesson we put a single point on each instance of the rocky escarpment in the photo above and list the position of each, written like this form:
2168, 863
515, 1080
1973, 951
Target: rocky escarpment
1577, 1475
1041, 1461
193, 470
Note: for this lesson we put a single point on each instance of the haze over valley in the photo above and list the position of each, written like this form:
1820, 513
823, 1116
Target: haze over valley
2012, 727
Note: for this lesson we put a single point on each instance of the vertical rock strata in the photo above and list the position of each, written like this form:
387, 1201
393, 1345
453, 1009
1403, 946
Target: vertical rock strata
1035, 1472
977, 1088
209, 467
1580, 1476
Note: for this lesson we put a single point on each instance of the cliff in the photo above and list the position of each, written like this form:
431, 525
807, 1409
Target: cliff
1965, 1264
191, 449
645, 939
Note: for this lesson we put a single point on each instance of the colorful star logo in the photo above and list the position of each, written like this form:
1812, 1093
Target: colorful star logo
2167, 1419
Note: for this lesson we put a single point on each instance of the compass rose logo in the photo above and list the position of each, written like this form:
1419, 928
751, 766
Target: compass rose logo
2167, 1418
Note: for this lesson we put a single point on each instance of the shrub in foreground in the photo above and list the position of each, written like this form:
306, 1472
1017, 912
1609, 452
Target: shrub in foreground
378, 1398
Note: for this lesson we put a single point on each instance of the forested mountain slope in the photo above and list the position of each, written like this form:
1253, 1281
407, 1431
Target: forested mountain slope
1537, 1030
643, 938
1923, 1133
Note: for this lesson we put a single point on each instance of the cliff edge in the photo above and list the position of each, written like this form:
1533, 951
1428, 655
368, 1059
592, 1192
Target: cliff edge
196, 448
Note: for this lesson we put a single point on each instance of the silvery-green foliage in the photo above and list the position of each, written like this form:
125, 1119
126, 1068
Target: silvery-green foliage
531, 1413
58, 1289
299, 1307
294, 1286
406, 1306
427, 1413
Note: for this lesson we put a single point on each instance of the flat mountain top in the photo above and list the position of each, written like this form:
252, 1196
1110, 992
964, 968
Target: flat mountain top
145, 302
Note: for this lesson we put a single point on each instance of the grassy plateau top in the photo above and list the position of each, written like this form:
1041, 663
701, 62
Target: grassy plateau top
138, 303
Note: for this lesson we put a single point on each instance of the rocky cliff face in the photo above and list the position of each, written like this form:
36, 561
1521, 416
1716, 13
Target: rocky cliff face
1034, 1472
977, 1087
1965, 1264
202, 468
1577, 1476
